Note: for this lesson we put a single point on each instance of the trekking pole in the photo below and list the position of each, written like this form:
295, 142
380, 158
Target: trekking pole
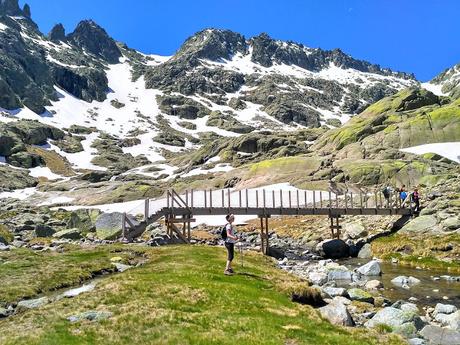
241, 254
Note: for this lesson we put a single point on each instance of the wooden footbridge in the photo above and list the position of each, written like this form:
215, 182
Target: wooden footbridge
179, 210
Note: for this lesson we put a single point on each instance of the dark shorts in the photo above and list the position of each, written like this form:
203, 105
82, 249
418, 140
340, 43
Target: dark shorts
230, 250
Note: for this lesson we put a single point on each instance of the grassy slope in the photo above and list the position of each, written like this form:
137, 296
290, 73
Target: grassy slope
25, 273
426, 251
182, 297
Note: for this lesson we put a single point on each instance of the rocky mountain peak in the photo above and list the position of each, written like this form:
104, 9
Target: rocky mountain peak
11, 8
26, 10
449, 81
213, 44
94, 39
57, 33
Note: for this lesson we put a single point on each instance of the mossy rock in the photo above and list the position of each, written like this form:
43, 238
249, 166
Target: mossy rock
187, 125
117, 104
77, 129
25, 160
6, 237
183, 107
70, 144
70, 234
227, 122
370, 172
334, 123
236, 103
11, 179
420, 224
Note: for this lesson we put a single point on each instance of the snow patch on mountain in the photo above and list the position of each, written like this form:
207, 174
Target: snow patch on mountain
434, 88
450, 150
81, 160
44, 172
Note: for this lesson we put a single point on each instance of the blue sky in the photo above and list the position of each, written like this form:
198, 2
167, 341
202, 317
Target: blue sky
419, 36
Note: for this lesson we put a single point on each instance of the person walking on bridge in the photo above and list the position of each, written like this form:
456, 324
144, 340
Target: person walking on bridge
230, 241
403, 195
415, 197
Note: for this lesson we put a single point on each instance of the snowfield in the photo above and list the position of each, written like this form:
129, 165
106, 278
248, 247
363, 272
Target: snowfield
434, 88
450, 150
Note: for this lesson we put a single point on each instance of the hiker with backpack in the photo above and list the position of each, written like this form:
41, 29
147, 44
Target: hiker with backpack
386, 191
403, 194
415, 198
228, 234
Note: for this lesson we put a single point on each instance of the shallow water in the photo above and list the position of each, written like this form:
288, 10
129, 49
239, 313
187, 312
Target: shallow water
423, 291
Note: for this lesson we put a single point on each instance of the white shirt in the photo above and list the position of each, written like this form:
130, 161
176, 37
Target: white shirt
231, 230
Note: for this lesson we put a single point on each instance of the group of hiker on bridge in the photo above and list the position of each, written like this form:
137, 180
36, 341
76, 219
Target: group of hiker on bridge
412, 198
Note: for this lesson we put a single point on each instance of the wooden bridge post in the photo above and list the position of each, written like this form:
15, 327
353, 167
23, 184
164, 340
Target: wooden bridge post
229, 199
265, 246
146, 209
335, 226
123, 225
263, 198
191, 198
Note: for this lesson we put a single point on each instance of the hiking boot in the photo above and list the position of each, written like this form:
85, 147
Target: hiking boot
228, 273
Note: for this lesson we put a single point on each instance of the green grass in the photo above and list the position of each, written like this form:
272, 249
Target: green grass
25, 273
182, 297
5, 235
422, 251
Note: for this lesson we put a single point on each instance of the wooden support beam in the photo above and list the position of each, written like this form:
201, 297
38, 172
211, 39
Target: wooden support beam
179, 220
178, 233
267, 243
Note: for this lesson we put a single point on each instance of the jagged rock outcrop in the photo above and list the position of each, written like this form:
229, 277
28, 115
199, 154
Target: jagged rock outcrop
27, 12
57, 33
219, 62
11, 8
94, 39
